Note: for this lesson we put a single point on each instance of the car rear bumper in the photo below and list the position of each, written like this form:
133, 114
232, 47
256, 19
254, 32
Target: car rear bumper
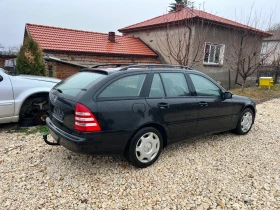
101, 143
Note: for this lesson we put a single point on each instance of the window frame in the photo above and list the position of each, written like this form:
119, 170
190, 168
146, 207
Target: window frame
142, 91
221, 89
221, 56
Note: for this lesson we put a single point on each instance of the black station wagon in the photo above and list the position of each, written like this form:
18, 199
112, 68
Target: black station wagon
138, 110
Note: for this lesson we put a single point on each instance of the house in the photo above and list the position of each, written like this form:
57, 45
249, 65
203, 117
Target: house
204, 41
271, 51
7, 60
66, 51
271, 46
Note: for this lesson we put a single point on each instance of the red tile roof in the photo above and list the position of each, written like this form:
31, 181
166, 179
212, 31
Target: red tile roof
62, 39
186, 13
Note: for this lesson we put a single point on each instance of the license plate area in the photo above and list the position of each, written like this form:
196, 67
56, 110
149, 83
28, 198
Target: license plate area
58, 114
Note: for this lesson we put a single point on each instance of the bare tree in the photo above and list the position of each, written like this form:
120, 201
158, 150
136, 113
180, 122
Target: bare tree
11, 50
245, 47
1, 47
274, 27
175, 38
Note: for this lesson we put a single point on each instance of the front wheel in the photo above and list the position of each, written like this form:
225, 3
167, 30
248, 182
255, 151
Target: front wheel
245, 122
34, 111
144, 148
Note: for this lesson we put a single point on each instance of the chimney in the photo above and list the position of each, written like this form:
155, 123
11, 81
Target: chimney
111, 36
179, 7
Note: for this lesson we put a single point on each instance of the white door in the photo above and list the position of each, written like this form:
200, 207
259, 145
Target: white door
7, 105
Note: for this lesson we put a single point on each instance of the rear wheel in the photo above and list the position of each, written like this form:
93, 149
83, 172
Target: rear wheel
144, 148
245, 122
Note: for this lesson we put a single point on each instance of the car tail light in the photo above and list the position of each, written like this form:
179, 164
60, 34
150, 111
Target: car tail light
85, 120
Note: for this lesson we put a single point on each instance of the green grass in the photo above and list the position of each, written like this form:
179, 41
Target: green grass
43, 129
259, 94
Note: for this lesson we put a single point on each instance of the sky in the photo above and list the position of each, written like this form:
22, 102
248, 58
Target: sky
111, 15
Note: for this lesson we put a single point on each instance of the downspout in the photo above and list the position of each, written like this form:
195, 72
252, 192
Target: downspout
189, 43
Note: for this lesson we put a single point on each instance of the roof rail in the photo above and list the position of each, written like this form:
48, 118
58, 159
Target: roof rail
151, 66
113, 64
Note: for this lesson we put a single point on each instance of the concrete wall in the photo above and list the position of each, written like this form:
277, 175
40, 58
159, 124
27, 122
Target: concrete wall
273, 48
231, 39
156, 39
201, 33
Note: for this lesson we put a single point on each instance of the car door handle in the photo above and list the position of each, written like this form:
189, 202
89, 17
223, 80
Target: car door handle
163, 105
203, 104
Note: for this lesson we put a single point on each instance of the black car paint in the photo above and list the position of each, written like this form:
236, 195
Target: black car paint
120, 118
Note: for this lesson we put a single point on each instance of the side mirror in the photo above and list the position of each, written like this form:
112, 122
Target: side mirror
227, 95
1, 78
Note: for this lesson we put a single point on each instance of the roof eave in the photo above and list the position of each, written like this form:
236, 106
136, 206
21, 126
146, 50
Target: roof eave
263, 33
99, 53
62, 61
147, 27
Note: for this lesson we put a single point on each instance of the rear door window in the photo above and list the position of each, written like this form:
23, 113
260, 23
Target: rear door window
175, 84
129, 86
78, 82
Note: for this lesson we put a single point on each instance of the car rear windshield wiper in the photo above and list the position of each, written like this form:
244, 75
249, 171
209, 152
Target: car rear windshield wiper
59, 90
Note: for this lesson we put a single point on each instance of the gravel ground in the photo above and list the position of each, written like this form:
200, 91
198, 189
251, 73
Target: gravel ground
223, 171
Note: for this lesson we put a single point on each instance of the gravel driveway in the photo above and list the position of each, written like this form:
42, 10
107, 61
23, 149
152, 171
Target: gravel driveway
223, 171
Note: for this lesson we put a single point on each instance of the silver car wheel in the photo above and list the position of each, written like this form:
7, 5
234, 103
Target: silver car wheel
147, 147
246, 122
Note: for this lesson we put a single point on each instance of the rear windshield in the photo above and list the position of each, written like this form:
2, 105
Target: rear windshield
78, 82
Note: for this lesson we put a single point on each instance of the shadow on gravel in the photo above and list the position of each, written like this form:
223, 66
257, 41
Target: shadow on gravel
91, 163
8, 126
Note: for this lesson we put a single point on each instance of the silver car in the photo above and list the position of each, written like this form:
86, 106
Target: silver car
24, 97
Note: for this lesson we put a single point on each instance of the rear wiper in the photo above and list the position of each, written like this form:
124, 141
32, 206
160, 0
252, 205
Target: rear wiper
58, 90
84, 89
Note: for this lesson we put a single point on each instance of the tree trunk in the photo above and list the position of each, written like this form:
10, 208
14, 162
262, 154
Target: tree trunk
243, 84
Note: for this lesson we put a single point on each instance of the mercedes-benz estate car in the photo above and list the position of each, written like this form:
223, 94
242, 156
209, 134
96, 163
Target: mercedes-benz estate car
138, 110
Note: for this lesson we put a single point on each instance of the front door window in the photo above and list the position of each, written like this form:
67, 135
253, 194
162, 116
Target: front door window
204, 87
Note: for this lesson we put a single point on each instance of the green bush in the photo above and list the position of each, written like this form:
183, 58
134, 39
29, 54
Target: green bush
30, 59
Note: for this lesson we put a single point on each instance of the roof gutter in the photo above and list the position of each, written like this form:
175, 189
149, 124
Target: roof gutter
62, 61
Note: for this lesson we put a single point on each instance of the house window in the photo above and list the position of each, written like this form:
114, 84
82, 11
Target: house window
214, 54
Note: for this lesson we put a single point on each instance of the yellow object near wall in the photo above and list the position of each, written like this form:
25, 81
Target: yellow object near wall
266, 82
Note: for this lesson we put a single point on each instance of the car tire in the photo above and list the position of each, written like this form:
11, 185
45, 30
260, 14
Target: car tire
145, 147
245, 122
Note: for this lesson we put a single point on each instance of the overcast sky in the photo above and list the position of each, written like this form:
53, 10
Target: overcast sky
108, 15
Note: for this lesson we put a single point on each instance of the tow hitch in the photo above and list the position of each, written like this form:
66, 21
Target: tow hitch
45, 137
